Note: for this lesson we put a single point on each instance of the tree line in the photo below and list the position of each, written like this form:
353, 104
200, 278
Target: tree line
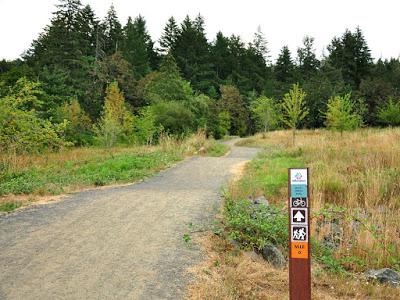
86, 81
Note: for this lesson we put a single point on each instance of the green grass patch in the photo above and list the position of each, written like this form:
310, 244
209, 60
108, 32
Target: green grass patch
98, 171
7, 207
217, 149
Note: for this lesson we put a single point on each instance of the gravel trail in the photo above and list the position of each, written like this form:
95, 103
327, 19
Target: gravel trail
115, 243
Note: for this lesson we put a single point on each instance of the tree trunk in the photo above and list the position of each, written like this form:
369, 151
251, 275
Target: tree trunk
294, 136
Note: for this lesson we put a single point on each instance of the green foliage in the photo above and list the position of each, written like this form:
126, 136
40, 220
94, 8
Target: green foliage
166, 85
341, 115
389, 114
266, 113
216, 149
350, 54
232, 102
174, 117
137, 46
294, 108
7, 207
255, 226
145, 127
21, 129
116, 122
284, 68
79, 126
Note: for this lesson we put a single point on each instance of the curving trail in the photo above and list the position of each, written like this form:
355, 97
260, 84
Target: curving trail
115, 243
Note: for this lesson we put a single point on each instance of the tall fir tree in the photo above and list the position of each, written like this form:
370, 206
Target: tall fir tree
112, 31
138, 46
192, 54
351, 54
308, 62
169, 36
284, 67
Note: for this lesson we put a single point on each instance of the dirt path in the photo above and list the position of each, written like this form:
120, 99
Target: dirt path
116, 243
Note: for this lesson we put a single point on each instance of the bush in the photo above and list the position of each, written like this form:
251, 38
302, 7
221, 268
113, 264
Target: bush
145, 127
341, 114
79, 127
21, 130
389, 114
116, 122
255, 226
174, 117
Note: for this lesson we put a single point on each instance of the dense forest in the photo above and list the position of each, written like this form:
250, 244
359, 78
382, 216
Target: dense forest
87, 81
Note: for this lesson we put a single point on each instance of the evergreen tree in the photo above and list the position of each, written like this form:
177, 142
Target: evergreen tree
284, 67
308, 62
87, 30
260, 45
112, 31
60, 43
192, 54
220, 56
351, 55
169, 36
138, 46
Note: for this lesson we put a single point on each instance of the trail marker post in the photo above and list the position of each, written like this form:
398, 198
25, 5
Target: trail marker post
299, 235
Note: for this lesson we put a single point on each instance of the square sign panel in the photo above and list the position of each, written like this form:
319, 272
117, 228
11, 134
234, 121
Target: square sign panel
299, 233
298, 176
299, 250
298, 216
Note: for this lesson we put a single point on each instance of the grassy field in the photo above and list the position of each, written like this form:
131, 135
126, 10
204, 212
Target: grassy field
355, 185
26, 178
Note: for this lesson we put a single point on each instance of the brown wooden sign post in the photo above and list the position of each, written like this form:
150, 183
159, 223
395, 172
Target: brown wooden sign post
299, 235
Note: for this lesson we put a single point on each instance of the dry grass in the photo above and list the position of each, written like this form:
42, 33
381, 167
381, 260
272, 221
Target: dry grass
231, 274
360, 172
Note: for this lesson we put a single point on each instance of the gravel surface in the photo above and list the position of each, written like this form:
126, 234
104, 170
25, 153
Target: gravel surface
115, 243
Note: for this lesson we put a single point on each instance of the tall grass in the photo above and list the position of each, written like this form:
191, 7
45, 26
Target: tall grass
355, 183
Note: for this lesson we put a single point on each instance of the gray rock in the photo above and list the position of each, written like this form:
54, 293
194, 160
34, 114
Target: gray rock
273, 255
235, 244
333, 238
385, 275
261, 200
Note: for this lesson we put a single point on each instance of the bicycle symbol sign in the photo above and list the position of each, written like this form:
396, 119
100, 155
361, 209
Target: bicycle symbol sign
299, 202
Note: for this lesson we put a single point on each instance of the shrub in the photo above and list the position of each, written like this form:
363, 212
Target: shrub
389, 114
78, 130
341, 114
21, 130
116, 122
174, 117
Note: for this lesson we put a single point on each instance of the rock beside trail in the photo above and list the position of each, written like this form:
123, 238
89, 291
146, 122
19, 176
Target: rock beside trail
385, 275
274, 256
261, 200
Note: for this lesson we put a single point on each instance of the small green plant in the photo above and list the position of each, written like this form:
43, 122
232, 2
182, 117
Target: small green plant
7, 207
186, 238
254, 226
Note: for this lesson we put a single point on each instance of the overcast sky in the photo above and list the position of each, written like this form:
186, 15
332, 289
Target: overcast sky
284, 22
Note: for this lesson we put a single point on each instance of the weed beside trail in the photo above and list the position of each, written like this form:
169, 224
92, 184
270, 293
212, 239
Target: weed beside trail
69, 170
